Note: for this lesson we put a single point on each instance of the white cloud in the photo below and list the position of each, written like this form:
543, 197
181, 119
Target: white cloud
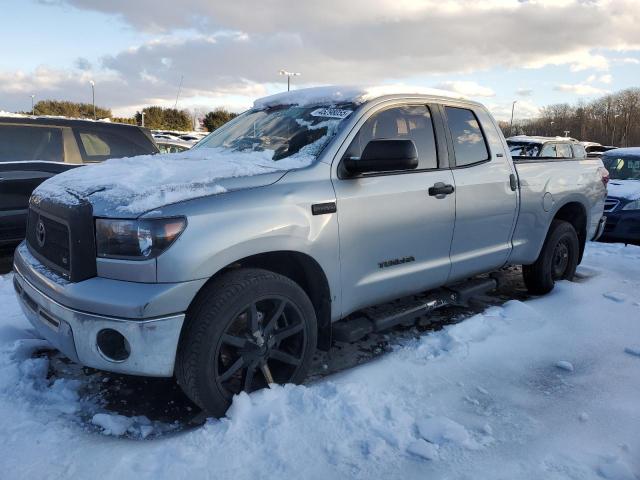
467, 88
523, 109
605, 78
220, 48
524, 92
580, 89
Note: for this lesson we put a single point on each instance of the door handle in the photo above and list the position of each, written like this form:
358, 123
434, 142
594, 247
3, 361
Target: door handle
441, 190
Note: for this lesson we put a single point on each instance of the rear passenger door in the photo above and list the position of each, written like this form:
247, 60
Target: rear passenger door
486, 193
99, 144
394, 236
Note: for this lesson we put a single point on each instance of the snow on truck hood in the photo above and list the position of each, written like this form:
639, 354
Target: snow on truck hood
627, 189
126, 187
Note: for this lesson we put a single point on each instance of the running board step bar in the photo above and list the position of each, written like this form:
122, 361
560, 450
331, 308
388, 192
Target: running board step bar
409, 309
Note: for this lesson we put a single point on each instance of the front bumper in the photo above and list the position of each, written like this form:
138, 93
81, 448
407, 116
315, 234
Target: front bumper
153, 343
622, 226
601, 227
152, 340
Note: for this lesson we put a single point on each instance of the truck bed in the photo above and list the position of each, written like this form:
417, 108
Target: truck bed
546, 183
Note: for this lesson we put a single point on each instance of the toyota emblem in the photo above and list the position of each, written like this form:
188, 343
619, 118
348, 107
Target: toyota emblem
41, 233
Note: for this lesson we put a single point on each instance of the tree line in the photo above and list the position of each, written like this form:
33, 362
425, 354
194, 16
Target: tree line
612, 119
63, 108
155, 117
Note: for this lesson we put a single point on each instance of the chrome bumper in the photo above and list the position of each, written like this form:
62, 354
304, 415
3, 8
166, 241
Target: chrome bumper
153, 342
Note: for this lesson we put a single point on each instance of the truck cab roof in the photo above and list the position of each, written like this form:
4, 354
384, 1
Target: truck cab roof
337, 94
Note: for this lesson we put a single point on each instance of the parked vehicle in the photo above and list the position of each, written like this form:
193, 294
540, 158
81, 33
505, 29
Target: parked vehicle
595, 150
283, 229
33, 149
622, 206
173, 146
546, 147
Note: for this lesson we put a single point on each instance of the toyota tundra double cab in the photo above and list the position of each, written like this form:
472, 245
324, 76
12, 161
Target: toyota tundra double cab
228, 265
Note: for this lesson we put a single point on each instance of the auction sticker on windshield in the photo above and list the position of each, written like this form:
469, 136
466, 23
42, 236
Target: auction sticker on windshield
331, 113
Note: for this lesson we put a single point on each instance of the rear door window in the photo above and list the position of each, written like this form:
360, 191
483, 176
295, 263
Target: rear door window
99, 145
21, 143
563, 150
549, 150
579, 151
469, 143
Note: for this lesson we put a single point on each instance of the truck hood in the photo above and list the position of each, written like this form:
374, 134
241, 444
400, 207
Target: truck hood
129, 187
627, 189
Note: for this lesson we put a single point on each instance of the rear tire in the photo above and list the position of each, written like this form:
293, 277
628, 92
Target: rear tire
558, 259
249, 328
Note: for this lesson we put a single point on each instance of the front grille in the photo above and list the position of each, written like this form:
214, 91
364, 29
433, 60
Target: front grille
53, 244
69, 241
610, 204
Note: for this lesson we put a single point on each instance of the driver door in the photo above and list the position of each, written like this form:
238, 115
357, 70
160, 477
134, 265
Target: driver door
394, 236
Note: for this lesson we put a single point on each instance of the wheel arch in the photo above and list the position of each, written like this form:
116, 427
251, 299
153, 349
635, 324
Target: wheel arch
575, 213
302, 269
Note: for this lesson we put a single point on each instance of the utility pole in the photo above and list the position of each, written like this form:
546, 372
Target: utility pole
142, 120
289, 75
513, 106
175, 107
32, 109
93, 97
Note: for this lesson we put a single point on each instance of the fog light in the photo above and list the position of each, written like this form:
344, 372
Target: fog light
112, 345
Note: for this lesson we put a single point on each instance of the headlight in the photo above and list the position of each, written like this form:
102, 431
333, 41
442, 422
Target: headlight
136, 239
635, 205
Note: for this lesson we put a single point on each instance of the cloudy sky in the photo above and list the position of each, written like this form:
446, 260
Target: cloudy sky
229, 52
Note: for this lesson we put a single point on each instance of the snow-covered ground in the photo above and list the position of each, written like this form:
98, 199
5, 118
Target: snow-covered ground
545, 389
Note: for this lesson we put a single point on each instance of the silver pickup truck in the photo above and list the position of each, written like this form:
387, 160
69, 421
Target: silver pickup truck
318, 215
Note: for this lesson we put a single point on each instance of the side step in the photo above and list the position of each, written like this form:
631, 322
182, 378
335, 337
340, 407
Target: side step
409, 309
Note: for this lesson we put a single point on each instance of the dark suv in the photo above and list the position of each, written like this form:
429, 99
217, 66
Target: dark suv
33, 149
623, 196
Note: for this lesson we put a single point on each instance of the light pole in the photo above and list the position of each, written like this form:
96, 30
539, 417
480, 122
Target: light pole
613, 134
289, 75
513, 106
93, 97
32, 109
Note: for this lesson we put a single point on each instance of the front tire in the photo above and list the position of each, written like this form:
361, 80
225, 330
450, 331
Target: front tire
248, 329
558, 259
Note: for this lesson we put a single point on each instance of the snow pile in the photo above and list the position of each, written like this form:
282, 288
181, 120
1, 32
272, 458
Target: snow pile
118, 425
336, 94
480, 399
138, 184
627, 189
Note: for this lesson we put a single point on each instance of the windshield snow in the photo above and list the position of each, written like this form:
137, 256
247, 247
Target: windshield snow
281, 132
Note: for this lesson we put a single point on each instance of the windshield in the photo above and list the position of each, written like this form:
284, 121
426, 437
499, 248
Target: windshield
622, 168
281, 132
524, 149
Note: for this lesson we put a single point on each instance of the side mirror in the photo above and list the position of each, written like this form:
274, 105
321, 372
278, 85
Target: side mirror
384, 156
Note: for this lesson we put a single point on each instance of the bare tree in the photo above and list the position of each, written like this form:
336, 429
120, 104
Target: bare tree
611, 120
